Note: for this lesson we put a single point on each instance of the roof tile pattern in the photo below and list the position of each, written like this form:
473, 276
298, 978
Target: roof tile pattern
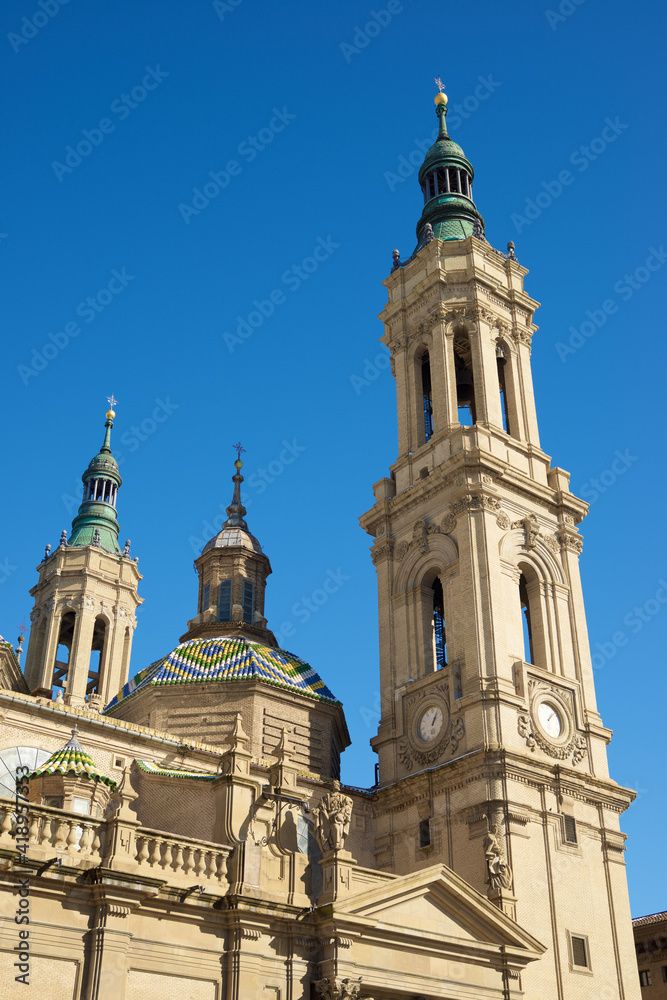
228, 659
73, 759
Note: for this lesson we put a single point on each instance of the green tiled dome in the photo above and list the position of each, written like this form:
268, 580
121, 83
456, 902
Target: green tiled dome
72, 759
228, 659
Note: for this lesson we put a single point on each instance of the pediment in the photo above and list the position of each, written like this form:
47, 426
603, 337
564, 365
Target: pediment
437, 902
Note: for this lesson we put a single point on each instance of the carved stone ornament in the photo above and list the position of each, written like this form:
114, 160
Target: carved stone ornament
550, 725
338, 989
424, 748
503, 521
448, 523
420, 534
476, 501
571, 540
380, 552
401, 550
332, 817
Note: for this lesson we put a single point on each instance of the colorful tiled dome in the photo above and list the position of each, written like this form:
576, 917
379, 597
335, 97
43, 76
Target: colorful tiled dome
73, 759
228, 659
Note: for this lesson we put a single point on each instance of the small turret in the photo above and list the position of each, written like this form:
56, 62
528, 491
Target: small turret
232, 577
96, 523
446, 178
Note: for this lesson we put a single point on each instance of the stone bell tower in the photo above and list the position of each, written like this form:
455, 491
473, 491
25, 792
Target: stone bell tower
492, 754
86, 598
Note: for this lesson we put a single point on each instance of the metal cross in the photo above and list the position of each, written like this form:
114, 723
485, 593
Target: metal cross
439, 84
23, 628
238, 448
111, 400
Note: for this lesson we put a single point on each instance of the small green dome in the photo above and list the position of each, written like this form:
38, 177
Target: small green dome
96, 522
443, 149
446, 177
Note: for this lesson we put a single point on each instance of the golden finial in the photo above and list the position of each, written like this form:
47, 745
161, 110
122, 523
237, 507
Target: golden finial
441, 96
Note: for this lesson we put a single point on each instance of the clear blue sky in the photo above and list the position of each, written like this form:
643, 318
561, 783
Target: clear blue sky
305, 121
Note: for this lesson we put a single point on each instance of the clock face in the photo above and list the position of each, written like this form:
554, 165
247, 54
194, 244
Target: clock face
430, 724
550, 719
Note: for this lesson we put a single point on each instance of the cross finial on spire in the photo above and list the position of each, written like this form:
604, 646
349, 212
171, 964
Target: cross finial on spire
239, 449
112, 401
439, 84
23, 628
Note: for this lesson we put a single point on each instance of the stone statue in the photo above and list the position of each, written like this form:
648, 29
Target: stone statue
500, 873
332, 819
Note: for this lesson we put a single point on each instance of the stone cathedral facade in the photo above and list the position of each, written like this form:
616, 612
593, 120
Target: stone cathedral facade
181, 830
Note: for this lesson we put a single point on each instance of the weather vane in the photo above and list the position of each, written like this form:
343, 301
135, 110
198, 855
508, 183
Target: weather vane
112, 401
238, 448
439, 84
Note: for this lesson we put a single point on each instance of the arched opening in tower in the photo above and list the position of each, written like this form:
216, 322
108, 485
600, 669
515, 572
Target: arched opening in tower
427, 395
63, 653
465, 385
96, 662
528, 650
439, 634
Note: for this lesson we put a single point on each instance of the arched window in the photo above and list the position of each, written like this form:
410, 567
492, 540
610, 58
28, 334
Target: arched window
96, 662
248, 601
64, 651
439, 636
465, 386
501, 361
526, 622
427, 395
225, 601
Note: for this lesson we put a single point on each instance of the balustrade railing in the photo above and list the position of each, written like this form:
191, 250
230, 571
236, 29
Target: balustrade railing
194, 860
47, 829
82, 838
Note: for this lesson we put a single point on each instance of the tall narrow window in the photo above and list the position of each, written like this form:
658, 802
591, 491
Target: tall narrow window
427, 396
225, 601
64, 651
248, 601
501, 361
206, 597
96, 661
465, 392
439, 637
528, 651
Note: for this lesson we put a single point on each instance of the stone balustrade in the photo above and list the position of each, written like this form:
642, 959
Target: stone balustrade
48, 829
191, 860
83, 840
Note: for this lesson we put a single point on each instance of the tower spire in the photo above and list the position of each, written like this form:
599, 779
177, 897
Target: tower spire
96, 522
446, 177
236, 510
